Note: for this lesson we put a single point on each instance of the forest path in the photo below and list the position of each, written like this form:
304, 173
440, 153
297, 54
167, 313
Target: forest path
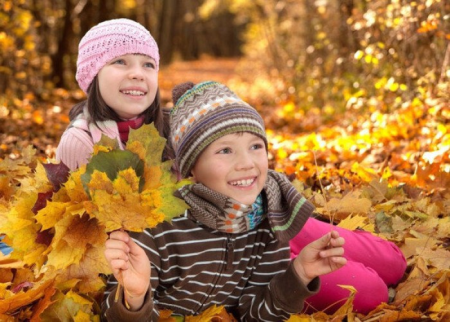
221, 70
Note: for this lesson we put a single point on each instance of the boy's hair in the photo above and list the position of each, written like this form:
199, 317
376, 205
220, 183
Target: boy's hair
108, 40
202, 114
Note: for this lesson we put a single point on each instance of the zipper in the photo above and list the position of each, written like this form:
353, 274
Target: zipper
229, 264
230, 249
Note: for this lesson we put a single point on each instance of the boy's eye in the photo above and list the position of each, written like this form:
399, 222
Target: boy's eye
257, 146
149, 65
225, 151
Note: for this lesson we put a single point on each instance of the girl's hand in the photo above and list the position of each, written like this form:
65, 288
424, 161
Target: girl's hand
320, 257
130, 266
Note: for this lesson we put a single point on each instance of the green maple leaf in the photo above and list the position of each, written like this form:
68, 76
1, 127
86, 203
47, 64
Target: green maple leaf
147, 143
112, 163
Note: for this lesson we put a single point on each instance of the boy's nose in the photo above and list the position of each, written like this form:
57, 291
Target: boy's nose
244, 161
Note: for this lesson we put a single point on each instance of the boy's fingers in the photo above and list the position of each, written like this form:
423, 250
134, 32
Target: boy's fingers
119, 235
324, 240
339, 260
337, 242
334, 234
134, 248
116, 254
338, 251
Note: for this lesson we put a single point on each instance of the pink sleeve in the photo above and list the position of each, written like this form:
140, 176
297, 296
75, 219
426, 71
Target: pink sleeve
74, 148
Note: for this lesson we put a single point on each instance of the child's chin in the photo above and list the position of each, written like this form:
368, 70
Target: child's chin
246, 201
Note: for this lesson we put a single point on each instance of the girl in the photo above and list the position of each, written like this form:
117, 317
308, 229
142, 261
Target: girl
117, 67
231, 247
373, 264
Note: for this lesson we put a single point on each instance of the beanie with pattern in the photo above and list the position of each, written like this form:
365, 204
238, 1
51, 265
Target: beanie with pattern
202, 114
108, 40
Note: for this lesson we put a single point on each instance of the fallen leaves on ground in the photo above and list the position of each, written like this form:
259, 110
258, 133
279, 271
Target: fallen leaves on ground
386, 173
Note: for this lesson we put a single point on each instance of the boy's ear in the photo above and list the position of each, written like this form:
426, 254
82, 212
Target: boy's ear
193, 176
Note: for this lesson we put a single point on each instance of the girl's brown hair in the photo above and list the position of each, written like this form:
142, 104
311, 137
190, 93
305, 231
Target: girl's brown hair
100, 111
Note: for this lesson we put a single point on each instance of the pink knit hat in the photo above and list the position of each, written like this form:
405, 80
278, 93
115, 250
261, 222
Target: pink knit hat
108, 40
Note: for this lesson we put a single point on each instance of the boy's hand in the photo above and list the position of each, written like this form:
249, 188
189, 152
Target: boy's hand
320, 257
130, 266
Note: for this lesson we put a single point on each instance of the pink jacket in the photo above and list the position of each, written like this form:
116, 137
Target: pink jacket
77, 142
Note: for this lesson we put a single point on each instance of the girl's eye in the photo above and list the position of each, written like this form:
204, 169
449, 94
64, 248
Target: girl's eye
119, 61
149, 65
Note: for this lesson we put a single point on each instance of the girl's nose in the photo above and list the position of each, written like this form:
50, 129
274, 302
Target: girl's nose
136, 73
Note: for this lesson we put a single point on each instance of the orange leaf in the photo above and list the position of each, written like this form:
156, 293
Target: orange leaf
20, 299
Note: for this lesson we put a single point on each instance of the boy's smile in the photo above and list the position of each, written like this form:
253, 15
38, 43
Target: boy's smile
235, 165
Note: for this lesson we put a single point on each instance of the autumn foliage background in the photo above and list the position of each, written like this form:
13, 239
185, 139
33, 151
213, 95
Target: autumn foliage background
355, 95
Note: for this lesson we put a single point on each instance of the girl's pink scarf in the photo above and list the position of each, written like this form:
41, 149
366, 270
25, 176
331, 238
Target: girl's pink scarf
112, 129
125, 126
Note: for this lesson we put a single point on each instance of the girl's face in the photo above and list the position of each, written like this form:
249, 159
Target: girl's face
235, 165
128, 84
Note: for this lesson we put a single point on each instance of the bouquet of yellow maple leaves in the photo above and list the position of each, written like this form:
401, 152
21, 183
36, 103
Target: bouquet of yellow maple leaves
57, 223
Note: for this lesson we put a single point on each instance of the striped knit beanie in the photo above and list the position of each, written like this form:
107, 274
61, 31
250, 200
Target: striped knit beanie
108, 40
204, 113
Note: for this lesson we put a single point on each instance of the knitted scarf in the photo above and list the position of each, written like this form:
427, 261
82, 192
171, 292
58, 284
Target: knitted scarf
125, 126
110, 128
286, 210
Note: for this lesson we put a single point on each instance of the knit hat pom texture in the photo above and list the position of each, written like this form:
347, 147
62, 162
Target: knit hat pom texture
108, 40
179, 90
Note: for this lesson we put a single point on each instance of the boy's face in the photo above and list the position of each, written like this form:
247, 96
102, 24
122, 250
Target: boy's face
235, 165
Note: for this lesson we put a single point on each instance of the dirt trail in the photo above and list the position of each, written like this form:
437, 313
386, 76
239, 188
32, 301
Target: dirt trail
221, 70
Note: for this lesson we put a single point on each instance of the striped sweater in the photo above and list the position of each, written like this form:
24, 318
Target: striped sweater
194, 267
196, 264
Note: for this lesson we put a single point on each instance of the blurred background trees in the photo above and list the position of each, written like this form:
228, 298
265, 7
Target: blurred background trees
326, 55
40, 38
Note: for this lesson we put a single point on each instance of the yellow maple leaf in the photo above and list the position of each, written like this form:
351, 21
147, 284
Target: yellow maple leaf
160, 196
74, 235
347, 308
116, 211
351, 203
354, 222
147, 143
67, 307
100, 181
210, 314
43, 303
37, 182
87, 272
51, 214
74, 187
412, 245
6, 189
439, 258
365, 173
133, 197
152, 175
22, 229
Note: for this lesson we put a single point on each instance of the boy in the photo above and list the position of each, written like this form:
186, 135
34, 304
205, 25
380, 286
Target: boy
231, 247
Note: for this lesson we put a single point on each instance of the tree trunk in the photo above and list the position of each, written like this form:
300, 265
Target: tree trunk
166, 33
63, 46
